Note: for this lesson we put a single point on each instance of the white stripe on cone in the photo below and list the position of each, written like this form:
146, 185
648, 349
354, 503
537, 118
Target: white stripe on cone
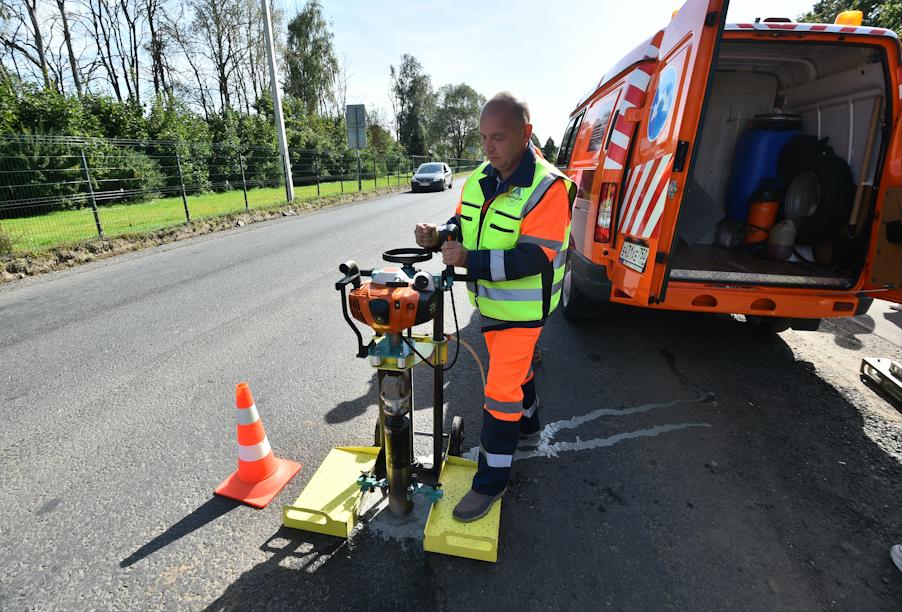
254, 452
248, 416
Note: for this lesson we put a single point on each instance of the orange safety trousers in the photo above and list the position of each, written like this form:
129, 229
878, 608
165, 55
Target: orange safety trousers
510, 404
510, 367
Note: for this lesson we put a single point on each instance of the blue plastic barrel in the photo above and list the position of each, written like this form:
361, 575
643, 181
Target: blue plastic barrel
755, 159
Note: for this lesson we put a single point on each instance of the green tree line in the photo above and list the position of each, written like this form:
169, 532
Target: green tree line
876, 13
219, 99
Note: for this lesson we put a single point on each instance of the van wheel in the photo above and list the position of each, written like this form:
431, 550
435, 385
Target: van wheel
768, 325
575, 305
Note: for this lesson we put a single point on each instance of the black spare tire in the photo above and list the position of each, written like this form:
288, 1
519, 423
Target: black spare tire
819, 193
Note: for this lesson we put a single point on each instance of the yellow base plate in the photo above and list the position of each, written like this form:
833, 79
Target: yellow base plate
476, 540
330, 501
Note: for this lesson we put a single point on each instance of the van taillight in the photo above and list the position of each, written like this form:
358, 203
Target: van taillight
605, 206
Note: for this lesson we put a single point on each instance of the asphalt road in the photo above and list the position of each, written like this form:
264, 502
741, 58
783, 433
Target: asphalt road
697, 465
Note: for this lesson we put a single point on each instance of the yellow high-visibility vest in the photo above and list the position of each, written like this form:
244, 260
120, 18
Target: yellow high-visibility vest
530, 298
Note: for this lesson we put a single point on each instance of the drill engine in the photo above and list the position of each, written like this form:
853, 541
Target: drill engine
393, 301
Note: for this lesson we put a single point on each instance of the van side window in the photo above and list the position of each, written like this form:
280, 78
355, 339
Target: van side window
567, 142
600, 124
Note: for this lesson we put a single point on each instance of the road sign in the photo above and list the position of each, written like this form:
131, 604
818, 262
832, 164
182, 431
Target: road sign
355, 115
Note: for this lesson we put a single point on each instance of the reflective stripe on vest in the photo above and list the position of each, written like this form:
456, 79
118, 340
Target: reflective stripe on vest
531, 298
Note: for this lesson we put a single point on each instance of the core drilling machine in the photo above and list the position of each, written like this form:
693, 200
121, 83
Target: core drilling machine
392, 302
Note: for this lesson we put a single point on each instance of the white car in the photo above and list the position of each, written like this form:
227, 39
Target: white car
432, 176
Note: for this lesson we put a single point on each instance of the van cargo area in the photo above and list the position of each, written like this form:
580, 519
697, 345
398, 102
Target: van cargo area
763, 96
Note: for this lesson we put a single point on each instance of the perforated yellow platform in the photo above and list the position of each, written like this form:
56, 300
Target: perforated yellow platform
476, 540
329, 502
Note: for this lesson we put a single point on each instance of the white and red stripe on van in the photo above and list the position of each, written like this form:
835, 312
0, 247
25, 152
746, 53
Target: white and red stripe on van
812, 27
646, 195
633, 96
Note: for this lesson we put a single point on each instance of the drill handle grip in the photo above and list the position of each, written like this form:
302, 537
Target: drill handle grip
351, 273
447, 233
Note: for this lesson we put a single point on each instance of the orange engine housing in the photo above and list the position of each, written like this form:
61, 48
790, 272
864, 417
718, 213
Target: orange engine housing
391, 309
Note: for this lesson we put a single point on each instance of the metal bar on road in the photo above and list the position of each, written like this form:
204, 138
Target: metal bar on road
178, 164
359, 181
243, 180
84, 165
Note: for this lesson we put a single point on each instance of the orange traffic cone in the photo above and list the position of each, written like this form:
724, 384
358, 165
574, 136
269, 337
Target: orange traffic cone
260, 475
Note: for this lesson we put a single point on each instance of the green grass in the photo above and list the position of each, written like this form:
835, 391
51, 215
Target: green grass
63, 227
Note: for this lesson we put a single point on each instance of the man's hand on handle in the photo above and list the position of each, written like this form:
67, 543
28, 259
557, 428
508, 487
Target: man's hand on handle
426, 235
454, 254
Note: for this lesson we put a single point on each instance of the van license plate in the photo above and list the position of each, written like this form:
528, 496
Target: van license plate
634, 255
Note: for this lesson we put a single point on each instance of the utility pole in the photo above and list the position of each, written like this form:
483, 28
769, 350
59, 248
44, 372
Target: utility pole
277, 101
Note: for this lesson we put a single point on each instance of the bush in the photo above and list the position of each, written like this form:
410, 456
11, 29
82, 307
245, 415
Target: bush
126, 170
41, 176
6, 243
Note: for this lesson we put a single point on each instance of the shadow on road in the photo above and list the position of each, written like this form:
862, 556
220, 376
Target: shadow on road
894, 316
346, 411
209, 511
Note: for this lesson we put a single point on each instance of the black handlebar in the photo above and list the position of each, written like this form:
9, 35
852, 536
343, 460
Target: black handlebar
407, 256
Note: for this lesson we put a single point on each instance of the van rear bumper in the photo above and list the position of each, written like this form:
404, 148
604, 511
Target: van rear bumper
802, 304
591, 279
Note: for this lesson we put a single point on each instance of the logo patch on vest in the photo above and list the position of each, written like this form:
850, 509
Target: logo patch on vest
515, 194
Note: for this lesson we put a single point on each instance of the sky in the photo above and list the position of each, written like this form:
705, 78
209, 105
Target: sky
549, 53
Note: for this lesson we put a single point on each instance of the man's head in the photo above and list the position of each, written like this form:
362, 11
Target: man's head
505, 130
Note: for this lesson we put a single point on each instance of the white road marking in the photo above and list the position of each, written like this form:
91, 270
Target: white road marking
548, 448
551, 450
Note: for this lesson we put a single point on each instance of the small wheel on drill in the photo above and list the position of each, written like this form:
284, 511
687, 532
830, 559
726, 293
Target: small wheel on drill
456, 437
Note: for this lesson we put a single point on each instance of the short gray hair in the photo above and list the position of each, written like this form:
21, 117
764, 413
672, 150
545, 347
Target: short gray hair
516, 107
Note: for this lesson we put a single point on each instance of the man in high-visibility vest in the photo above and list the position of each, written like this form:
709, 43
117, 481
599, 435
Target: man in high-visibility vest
514, 227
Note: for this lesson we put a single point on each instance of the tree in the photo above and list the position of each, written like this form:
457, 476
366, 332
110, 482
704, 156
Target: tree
104, 20
311, 59
156, 48
67, 36
456, 122
173, 28
550, 150
340, 82
218, 24
412, 89
31, 46
877, 13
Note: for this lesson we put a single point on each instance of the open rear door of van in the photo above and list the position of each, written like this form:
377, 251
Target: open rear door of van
662, 151
884, 267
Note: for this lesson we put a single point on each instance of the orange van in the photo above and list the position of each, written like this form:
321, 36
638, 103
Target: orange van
749, 168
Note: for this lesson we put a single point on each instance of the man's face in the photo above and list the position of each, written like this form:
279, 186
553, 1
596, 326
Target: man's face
503, 139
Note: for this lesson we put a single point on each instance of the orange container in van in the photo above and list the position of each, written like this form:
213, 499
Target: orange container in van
762, 216
650, 149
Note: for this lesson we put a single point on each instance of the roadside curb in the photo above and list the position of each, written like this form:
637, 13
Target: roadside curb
33, 263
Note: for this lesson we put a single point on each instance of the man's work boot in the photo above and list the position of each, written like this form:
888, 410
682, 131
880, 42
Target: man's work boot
474, 506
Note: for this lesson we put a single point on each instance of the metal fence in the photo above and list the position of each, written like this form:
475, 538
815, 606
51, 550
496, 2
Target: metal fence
56, 190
